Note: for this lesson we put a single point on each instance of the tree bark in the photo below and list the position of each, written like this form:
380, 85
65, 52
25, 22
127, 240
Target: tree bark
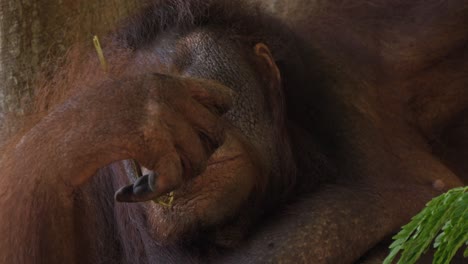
35, 33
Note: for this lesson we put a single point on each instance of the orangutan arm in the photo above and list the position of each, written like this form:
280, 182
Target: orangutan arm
36, 220
338, 224
115, 121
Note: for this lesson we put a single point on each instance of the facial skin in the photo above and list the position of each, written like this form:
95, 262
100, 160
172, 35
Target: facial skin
240, 169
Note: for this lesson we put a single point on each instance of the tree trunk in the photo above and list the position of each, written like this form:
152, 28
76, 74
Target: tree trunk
34, 33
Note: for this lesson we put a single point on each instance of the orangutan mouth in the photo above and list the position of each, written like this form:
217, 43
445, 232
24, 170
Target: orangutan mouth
150, 186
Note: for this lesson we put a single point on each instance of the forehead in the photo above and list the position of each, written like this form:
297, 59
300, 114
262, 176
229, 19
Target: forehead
211, 55
202, 54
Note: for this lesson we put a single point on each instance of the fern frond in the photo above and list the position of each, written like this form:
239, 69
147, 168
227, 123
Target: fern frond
444, 220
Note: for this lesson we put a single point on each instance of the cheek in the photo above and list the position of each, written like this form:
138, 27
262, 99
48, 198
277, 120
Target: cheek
213, 197
225, 187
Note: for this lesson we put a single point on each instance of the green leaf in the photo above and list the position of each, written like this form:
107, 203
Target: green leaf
444, 220
455, 232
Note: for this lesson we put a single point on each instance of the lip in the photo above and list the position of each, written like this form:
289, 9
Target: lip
213, 162
142, 170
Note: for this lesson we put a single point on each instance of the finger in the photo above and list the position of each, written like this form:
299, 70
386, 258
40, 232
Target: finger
201, 102
195, 131
177, 153
154, 185
208, 124
189, 143
141, 190
214, 96
170, 171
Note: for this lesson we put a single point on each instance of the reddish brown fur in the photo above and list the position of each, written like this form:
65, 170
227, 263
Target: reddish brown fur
81, 68
80, 72
395, 81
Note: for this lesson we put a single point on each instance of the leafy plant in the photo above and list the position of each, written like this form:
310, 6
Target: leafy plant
444, 220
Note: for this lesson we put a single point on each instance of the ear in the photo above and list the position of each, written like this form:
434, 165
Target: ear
273, 90
271, 77
270, 71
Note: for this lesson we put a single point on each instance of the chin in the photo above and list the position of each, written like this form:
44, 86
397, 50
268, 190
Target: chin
214, 198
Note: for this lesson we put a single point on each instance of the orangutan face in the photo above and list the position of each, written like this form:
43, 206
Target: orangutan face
238, 171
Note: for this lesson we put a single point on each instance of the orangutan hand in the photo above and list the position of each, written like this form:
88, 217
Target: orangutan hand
169, 125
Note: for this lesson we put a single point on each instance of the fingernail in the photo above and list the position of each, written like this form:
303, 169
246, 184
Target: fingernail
141, 186
152, 181
124, 194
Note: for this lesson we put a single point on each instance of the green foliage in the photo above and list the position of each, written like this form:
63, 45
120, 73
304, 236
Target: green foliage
444, 220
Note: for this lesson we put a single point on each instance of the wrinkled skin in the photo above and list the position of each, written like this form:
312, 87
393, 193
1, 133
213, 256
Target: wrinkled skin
244, 161
375, 126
